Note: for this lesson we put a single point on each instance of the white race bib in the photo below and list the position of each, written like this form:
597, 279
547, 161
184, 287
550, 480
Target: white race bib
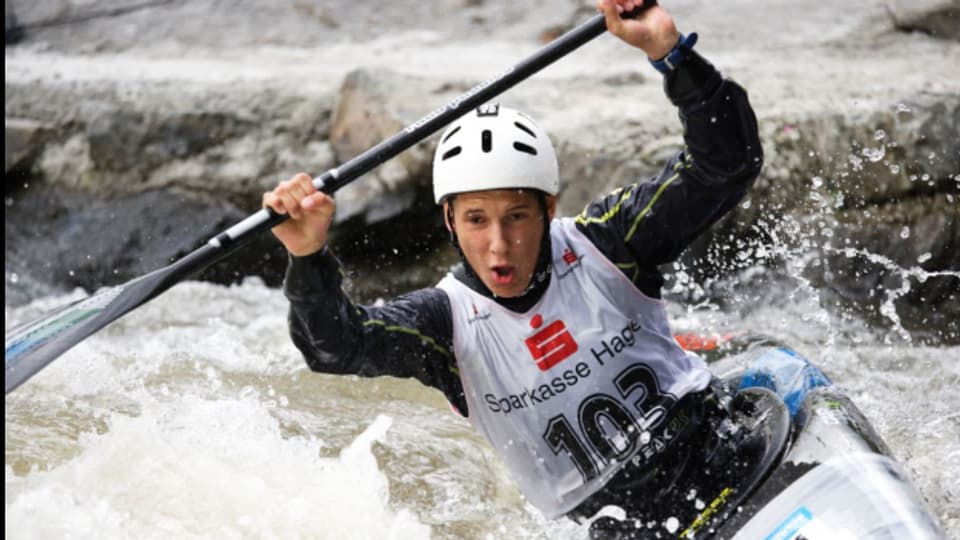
569, 391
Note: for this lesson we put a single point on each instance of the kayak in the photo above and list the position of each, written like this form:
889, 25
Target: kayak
832, 477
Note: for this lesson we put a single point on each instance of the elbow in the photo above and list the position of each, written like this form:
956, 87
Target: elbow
751, 165
329, 363
322, 358
321, 362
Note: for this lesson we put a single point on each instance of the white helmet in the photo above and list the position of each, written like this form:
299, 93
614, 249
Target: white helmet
494, 147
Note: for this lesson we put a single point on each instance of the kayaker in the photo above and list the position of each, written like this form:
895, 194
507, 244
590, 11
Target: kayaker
551, 336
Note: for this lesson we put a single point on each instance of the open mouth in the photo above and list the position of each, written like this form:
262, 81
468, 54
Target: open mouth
502, 275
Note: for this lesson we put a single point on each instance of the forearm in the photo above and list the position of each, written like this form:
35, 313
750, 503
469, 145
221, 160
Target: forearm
324, 324
409, 336
720, 128
649, 223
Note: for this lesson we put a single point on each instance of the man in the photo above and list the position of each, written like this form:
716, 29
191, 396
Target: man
550, 336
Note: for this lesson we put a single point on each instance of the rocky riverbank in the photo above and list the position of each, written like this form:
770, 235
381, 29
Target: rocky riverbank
134, 132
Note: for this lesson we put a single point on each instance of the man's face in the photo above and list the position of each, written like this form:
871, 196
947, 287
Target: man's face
500, 233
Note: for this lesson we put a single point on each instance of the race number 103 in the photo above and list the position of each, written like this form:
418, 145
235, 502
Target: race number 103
606, 429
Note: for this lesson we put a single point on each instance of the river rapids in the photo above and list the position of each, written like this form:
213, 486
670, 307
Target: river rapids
195, 417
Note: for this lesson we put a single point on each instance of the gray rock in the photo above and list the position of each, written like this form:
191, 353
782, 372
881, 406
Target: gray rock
23, 141
71, 238
860, 159
370, 109
908, 251
940, 18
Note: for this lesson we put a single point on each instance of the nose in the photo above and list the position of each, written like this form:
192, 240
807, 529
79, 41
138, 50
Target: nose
499, 240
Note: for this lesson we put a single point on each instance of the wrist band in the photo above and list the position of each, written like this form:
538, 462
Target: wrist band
676, 55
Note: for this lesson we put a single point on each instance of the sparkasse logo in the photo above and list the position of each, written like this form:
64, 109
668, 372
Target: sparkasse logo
551, 345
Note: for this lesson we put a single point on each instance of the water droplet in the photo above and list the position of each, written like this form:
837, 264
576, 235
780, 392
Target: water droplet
905, 232
894, 168
874, 154
713, 119
672, 524
925, 257
879, 135
70, 273
817, 181
14, 278
855, 162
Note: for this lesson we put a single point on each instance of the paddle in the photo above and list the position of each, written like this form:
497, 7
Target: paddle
30, 347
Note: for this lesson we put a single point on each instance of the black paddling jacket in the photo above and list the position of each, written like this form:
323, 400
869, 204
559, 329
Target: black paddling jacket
638, 227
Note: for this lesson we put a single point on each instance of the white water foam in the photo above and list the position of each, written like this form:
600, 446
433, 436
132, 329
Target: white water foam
194, 417
192, 467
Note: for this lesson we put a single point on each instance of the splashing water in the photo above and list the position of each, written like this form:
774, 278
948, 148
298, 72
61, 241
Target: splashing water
194, 417
874, 154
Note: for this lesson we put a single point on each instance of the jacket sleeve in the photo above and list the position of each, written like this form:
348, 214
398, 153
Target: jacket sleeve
649, 223
409, 336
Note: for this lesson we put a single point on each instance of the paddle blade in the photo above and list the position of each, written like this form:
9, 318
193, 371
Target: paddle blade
31, 346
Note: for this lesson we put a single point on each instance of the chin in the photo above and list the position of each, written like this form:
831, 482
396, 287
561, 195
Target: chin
504, 292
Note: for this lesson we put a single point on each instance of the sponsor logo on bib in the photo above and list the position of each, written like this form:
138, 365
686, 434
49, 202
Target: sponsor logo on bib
552, 344
571, 262
478, 315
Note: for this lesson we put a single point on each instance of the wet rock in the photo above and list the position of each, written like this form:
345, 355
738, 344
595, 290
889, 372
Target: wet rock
23, 140
873, 196
72, 238
940, 18
12, 32
370, 109
902, 258
113, 138
135, 140
862, 159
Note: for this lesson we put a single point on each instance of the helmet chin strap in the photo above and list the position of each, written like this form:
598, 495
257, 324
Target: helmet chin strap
541, 273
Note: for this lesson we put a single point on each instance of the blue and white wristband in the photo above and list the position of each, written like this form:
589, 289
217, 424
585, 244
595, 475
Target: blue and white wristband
676, 55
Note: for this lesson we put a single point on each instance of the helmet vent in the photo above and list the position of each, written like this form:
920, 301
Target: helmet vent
525, 148
452, 132
486, 140
452, 152
526, 129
